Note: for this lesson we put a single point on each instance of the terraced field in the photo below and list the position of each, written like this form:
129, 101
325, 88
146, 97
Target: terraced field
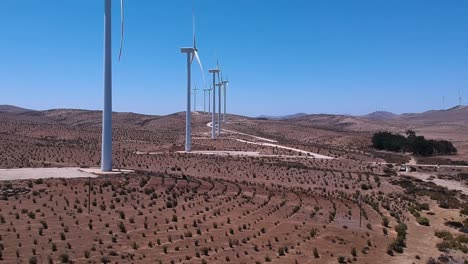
148, 217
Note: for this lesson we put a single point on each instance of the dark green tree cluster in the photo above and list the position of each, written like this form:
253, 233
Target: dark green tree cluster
417, 145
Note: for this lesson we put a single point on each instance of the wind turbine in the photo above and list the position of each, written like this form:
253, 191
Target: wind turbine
225, 84
192, 53
219, 84
106, 150
195, 98
209, 102
213, 114
209, 98
204, 100
459, 97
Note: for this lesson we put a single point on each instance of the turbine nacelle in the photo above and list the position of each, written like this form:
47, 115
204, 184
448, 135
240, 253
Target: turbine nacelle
187, 50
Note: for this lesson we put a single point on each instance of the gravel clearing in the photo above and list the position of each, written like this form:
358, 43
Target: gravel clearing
42, 173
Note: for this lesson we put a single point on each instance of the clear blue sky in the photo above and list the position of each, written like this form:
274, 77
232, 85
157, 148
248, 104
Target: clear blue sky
281, 56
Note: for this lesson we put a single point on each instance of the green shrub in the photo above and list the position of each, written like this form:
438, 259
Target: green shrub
64, 258
423, 221
105, 259
385, 221
44, 224
447, 245
281, 251
32, 215
400, 242
464, 211
445, 235
33, 260
462, 239
316, 254
341, 259
122, 227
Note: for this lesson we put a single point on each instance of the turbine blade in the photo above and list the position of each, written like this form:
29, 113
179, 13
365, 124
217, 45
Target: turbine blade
195, 54
193, 29
194, 42
122, 27
218, 68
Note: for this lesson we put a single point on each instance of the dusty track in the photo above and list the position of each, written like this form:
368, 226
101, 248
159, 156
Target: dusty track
270, 143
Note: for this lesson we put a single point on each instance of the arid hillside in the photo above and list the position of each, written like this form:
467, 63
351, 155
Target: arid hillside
450, 124
306, 189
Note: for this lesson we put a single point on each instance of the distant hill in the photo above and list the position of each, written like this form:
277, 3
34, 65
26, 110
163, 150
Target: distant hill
380, 120
297, 115
380, 115
93, 118
13, 109
339, 122
457, 114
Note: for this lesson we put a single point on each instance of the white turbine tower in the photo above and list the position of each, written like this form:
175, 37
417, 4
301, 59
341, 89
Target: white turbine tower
195, 98
192, 53
225, 84
213, 113
219, 84
209, 102
459, 98
106, 151
204, 100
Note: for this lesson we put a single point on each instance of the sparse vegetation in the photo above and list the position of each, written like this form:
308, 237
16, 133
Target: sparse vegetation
260, 209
